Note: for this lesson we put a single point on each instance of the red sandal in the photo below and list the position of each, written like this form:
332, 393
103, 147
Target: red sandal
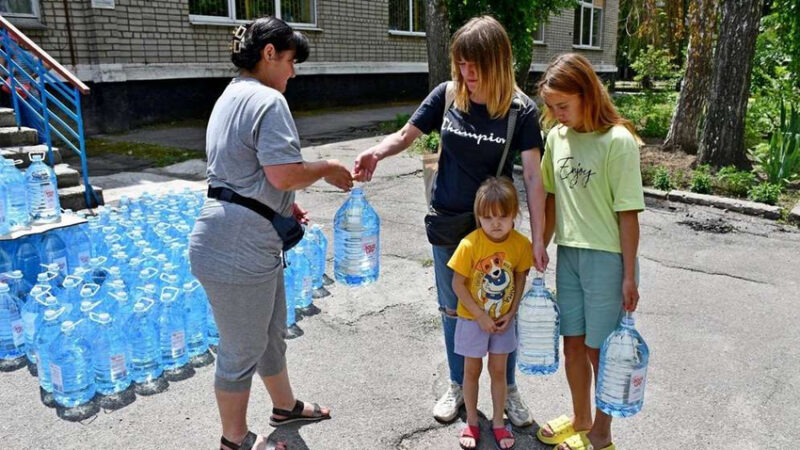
470, 431
500, 434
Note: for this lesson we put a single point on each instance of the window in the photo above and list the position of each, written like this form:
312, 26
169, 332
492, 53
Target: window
295, 12
538, 34
20, 8
407, 16
588, 24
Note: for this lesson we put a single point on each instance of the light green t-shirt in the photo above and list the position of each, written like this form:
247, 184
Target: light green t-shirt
593, 176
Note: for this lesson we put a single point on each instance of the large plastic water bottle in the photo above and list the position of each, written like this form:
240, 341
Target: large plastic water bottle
18, 208
80, 247
42, 189
291, 292
39, 300
5, 219
6, 264
622, 374
212, 331
144, 340
19, 287
172, 327
195, 305
47, 329
12, 339
356, 241
53, 250
311, 247
110, 356
538, 329
301, 277
27, 259
71, 368
322, 242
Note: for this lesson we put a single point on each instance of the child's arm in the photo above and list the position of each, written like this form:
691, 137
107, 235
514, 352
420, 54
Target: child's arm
629, 241
465, 298
506, 319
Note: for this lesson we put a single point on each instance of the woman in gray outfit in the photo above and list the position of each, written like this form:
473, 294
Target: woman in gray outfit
254, 154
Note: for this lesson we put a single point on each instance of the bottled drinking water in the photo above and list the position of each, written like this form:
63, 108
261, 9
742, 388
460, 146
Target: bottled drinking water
213, 332
47, 329
53, 250
622, 374
19, 212
19, 287
5, 219
71, 368
6, 264
291, 296
12, 340
27, 258
39, 301
42, 190
301, 276
144, 340
110, 356
322, 242
356, 240
172, 325
313, 251
80, 247
195, 305
538, 328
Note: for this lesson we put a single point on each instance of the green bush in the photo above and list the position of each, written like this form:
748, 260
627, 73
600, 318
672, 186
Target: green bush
701, 182
765, 193
650, 112
662, 180
780, 159
654, 64
427, 143
735, 182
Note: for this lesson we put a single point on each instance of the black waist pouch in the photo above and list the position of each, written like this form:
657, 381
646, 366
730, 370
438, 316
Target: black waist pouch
288, 228
447, 229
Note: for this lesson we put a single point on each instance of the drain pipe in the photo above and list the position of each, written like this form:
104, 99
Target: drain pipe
70, 40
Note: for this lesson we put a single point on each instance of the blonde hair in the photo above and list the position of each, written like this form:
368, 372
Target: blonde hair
496, 197
484, 42
573, 74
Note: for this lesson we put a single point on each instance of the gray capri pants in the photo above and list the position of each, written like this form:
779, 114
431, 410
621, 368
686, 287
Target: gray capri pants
252, 329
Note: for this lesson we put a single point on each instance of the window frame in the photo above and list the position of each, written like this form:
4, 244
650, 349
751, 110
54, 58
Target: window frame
36, 14
409, 31
231, 19
584, 5
540, 29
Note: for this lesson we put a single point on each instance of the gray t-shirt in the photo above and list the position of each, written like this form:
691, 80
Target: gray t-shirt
251, 127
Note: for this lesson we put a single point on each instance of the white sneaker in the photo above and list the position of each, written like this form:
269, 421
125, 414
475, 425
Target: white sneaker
446, 408
516, 410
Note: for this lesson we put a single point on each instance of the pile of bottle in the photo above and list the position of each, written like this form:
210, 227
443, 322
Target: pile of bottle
106, 304
304, 276
28, 198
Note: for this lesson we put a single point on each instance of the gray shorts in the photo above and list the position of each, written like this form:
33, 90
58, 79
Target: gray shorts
251, 319
471, 341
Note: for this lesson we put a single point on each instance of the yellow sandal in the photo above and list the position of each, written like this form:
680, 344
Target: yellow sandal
579, 441
562, 429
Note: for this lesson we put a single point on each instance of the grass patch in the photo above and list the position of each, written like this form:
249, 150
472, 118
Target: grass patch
158, 155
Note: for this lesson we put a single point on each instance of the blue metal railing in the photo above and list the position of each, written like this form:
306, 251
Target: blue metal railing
45, 96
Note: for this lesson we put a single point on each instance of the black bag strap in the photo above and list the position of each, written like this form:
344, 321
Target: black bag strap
516, 105
449, 99
228, 195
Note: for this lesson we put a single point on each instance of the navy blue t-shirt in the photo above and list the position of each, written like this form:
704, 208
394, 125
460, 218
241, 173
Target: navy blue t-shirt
472, 146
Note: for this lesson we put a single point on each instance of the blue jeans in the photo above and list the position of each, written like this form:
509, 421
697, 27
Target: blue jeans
448, 300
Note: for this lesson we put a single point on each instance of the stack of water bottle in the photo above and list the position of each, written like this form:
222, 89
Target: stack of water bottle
106, 304
29, 198
623, 358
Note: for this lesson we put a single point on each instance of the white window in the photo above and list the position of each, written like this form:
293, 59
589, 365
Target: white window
588, 24
294, 12
538, 34
20, 8
407, 17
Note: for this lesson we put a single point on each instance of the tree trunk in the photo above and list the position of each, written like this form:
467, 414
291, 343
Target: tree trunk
723, 133
697, 78
437, 31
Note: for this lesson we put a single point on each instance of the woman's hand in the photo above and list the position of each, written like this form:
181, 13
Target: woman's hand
630, 295
486, 323
338, 175
365, 165
299, 214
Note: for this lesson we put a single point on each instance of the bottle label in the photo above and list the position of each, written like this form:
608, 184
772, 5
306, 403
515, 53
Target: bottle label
62, 264
55, 378
370, 246
118, 370
636, 388
17, 332
178, 344
83, 257
49, 194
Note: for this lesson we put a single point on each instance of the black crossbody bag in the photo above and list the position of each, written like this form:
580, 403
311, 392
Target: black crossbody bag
445, 228
288, 228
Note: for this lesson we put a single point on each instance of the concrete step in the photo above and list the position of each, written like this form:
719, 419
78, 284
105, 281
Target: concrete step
12, 136
73, 198
21, 152
7, 117
66, 176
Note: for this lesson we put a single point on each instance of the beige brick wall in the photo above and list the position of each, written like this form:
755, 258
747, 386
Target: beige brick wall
159, 31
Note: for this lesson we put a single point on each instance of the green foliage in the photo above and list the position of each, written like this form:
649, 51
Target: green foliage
651, 112
735, 182
788, 26
765, 193
662, 179
427, 143
654, 64
701, 182
779, 160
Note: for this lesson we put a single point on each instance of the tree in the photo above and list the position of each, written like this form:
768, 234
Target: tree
656, 23
697, 78
722, 142
437, 31
788, 12
520, 19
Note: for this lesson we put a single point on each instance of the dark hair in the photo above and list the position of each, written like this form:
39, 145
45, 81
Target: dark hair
269, 30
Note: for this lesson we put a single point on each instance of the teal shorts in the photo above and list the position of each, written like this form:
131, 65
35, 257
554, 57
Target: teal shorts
589, 293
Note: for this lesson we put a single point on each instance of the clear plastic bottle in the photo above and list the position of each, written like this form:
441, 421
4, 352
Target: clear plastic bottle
172, 327
12, 339
622, 374
53, 250
5, 218
143, 335
111, 356
195, 305
538, 328
39, 300
71, 368
42, 191
356, 240
18, 207
47, 330
27, 259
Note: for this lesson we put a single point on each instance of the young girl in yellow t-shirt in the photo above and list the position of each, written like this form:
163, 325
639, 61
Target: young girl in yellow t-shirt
489, 270
590, 170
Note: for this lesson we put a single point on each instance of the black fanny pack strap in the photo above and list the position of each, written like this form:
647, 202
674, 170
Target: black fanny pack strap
228, 195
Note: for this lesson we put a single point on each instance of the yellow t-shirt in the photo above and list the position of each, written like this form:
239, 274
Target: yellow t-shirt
489, 268
593, 176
